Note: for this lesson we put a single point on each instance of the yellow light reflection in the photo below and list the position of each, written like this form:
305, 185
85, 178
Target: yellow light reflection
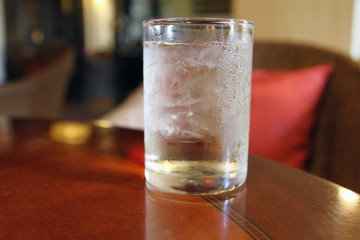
103, 124
37, 36
70, 132
348, 196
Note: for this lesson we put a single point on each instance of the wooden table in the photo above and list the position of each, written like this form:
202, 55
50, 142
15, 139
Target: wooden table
76, 180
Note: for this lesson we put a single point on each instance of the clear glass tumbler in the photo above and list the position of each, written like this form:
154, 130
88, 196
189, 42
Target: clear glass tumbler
197, 86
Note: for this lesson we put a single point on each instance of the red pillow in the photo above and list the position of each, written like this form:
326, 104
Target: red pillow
283, 110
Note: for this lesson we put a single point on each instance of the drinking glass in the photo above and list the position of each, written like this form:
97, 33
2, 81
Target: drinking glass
197, 86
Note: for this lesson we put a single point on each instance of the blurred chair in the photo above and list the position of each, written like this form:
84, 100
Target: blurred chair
335, 140
335, 137
42, 93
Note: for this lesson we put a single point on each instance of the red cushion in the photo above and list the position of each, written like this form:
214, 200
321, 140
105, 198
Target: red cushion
283, 110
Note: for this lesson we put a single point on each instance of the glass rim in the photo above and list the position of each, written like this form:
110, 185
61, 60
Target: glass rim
198, 21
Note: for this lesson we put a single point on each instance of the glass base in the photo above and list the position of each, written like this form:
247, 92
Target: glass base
195, 180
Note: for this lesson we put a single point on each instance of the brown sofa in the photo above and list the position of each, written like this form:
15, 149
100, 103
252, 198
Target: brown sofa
335, 140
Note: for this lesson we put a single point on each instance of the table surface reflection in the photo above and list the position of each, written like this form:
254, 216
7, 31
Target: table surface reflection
81, 180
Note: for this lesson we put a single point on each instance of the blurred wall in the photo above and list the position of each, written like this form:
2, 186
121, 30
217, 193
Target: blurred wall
176, 8
194, 8
326, 23
99, 25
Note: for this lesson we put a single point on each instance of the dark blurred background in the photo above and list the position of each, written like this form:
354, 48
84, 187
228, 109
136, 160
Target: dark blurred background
107, 38
103, 33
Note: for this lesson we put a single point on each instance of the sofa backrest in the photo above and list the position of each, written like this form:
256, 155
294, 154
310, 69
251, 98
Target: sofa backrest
335, 139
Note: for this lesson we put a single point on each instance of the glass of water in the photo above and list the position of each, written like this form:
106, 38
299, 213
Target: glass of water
197, 86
